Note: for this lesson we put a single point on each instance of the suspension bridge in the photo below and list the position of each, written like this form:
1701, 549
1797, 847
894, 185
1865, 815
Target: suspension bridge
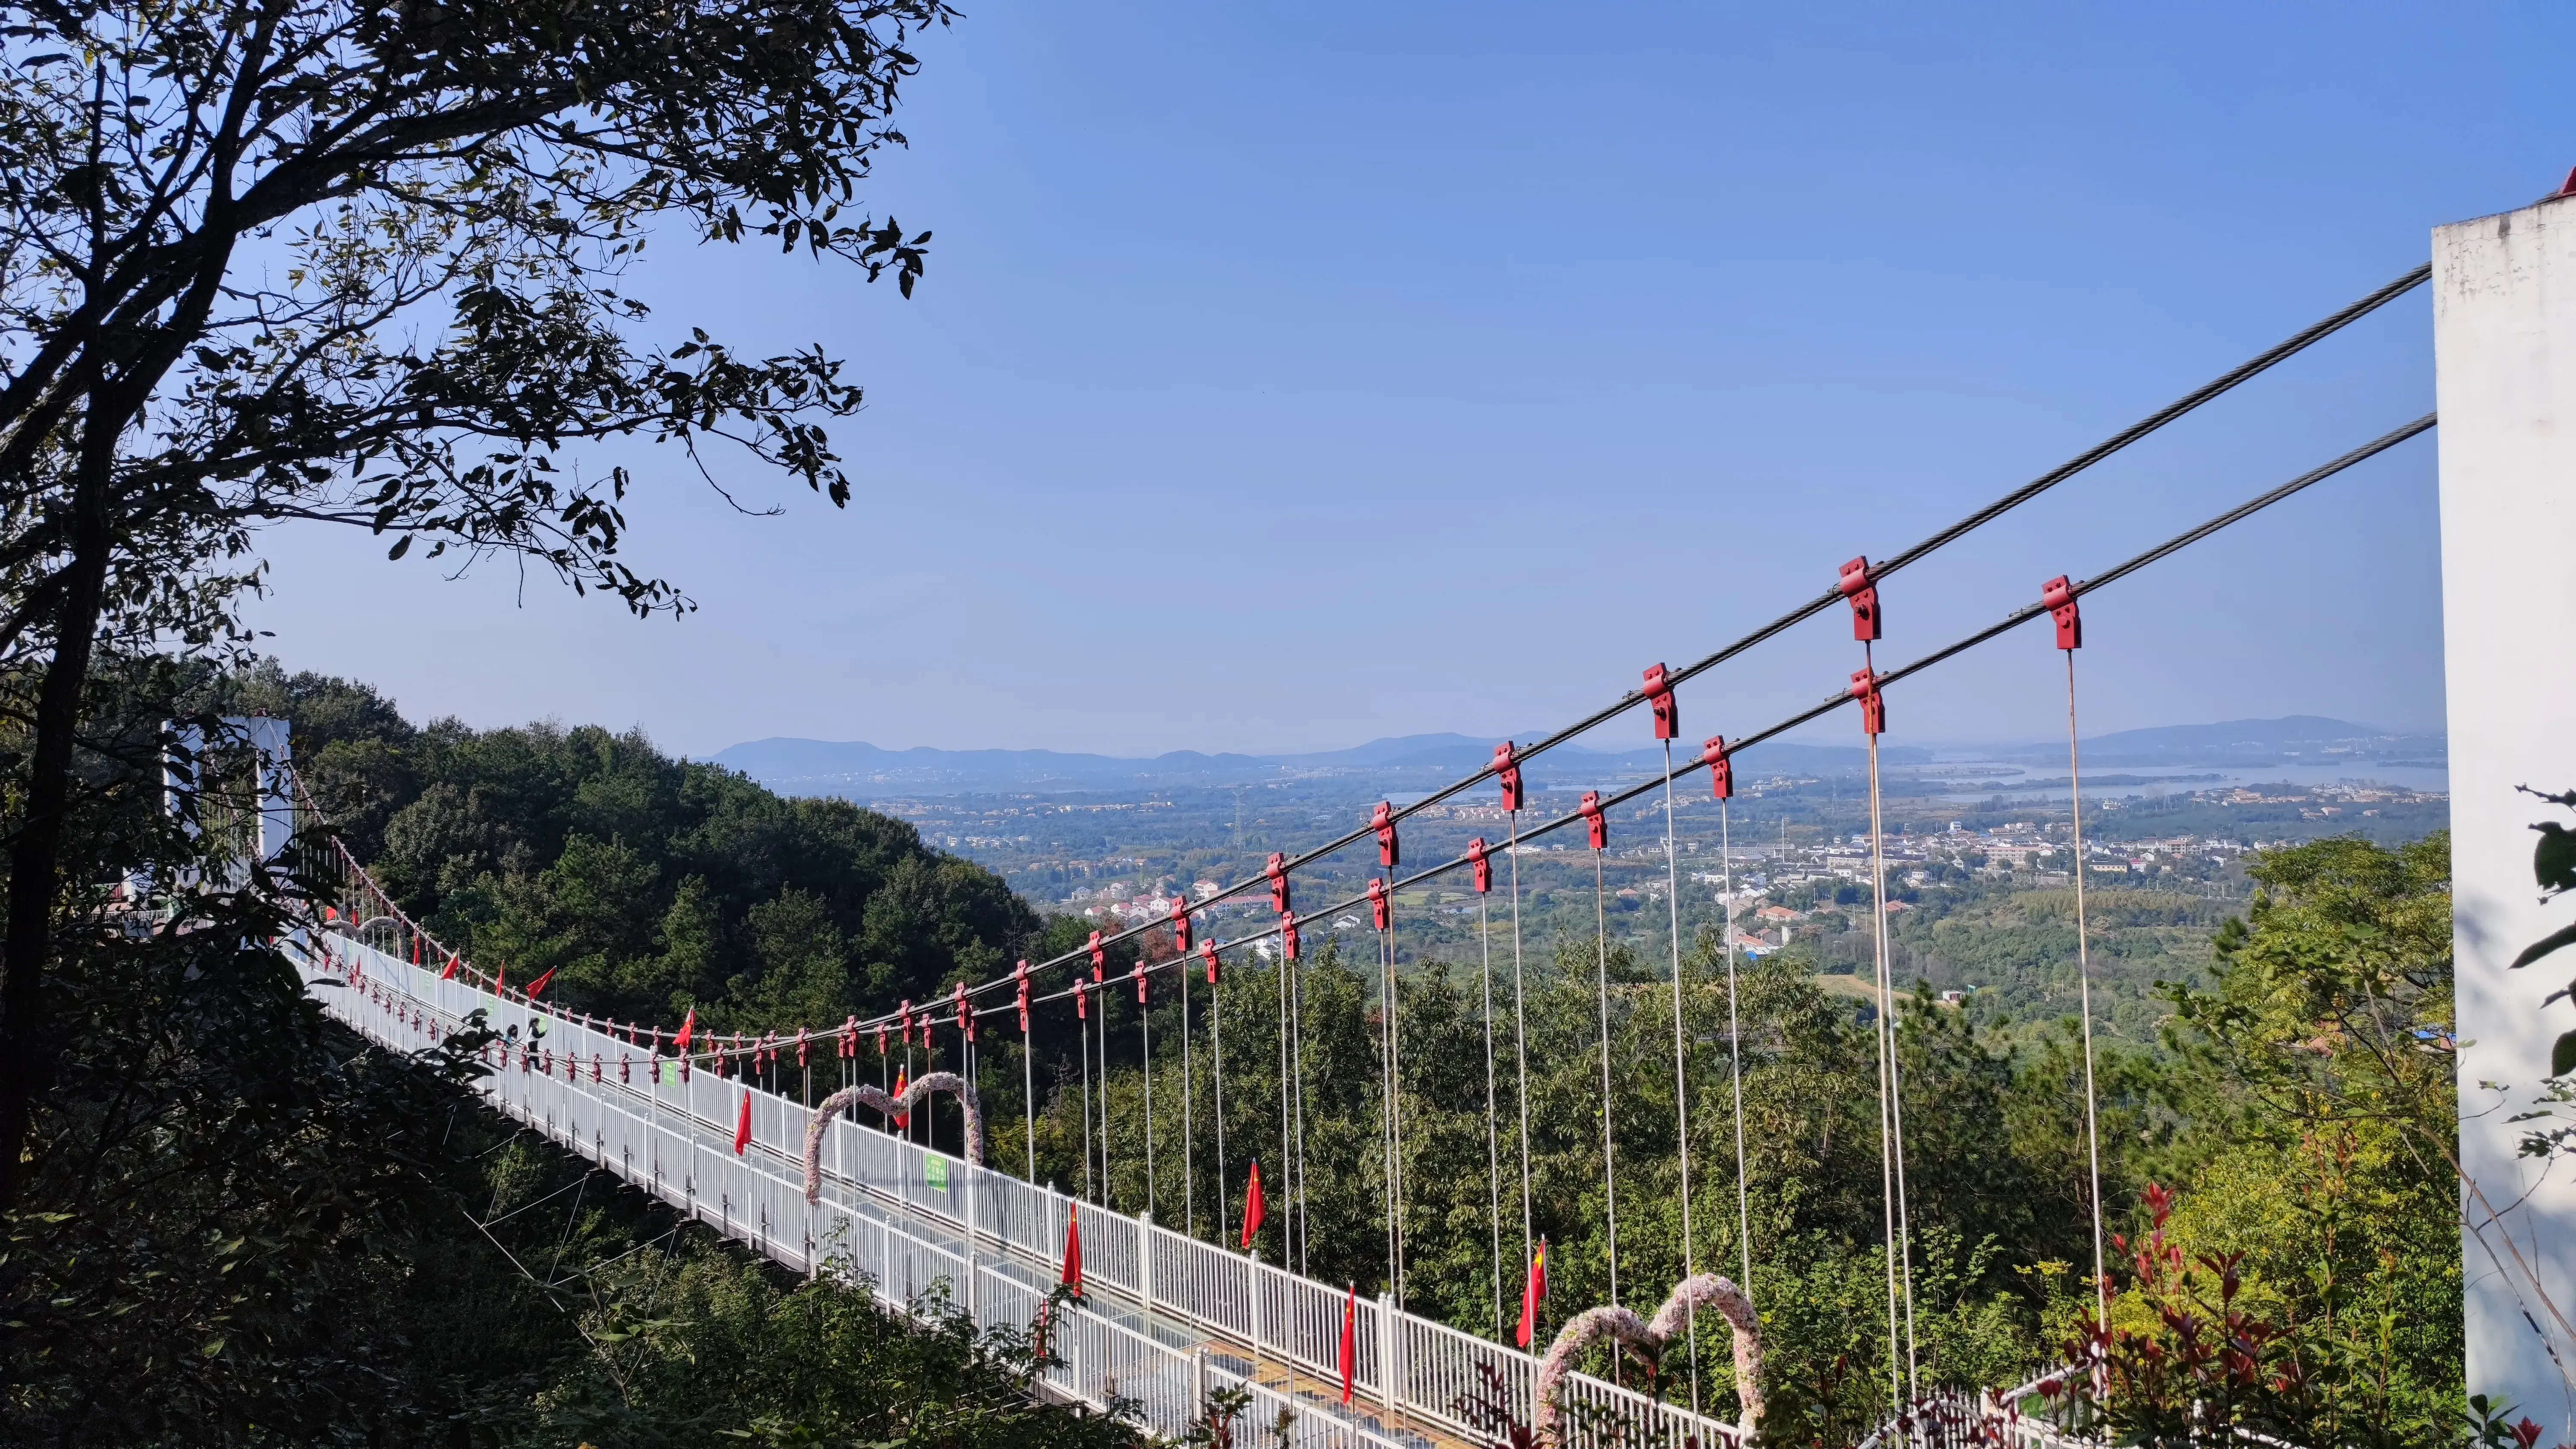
1167, 1319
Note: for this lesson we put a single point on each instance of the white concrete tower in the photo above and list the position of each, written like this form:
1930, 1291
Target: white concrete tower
2504, 342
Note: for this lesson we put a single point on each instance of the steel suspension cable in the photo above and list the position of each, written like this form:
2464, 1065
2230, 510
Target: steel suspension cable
1145, 1028
1287, 1119
1305, 1223
1886, 1141
1609, 1149
1216, 1046
1107, 1191
1189, 1113
1893, 1104
2151, 423
1386, 1068
1493, 1131
1735, 1049
1520, 1039
1395, 1091
2084, 988
1082, 1029
1681, 1078
1029, 1093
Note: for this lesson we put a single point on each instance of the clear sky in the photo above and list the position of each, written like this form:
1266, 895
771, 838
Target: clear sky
1292, 375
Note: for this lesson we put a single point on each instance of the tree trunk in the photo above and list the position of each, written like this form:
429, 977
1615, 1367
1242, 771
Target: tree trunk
35, 858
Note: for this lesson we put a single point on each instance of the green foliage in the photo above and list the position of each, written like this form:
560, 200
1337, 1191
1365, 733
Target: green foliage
2553, 865
652, 886
2321, 1207
698, 1346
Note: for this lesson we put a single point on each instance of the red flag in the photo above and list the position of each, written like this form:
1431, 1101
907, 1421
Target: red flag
688, 1028
450, 973
742, 1125
1253, 1208
902, 1080
501, 982
1531, 1294
415, 948
1350, 1342
540, 983
1072, 1275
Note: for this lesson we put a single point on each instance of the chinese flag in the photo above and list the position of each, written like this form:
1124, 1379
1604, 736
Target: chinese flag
1532, 1293
1350, 1342
1072, 1276
902, 1083
1253, 1208
688, 1028
540, 983
450, 973
501, 982
742, 1125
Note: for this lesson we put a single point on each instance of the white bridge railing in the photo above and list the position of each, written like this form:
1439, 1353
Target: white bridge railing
1166, 1319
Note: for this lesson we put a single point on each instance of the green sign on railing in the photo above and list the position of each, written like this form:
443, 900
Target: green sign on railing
936, 1169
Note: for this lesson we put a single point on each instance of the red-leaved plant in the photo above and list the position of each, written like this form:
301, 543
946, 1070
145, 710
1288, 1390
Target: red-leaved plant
2207, 1367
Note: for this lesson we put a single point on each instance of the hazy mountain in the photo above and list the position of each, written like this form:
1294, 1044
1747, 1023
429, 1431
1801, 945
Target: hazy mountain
1406, 762
2299, 739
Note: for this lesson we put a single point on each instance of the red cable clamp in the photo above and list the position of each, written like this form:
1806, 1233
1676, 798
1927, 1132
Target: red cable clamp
1873, 705
1483, 863
1507, 772
2057, 596
881, 1041
1022, 977
1378, 910
1099, 957
907, 1022
1081, 999
1278, 873
965, 1013
1861, 588
802, 1047
1659, 698
1721, 768
1207, 953
1139, 974
1383, 822
850, 1036
1180, 925
1594, 820
1288, 937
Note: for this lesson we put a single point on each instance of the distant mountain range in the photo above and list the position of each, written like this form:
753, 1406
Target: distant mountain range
1419, 762
862, 771
2299, 739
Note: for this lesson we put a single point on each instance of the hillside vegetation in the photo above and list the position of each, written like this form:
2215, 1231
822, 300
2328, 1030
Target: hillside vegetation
2270, 1127
651, 886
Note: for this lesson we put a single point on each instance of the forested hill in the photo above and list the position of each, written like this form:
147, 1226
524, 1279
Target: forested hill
649, 884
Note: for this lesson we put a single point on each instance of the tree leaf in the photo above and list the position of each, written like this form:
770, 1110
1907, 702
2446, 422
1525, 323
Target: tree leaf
2564, 935
2562, 1057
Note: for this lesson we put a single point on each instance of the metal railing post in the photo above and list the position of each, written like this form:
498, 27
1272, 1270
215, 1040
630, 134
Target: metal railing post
1145, 1268
1389, 1356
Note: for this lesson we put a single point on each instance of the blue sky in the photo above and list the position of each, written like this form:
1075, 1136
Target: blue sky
1288, 376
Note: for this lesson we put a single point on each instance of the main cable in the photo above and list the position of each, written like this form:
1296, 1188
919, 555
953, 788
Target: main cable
2126, 437
1833, 702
